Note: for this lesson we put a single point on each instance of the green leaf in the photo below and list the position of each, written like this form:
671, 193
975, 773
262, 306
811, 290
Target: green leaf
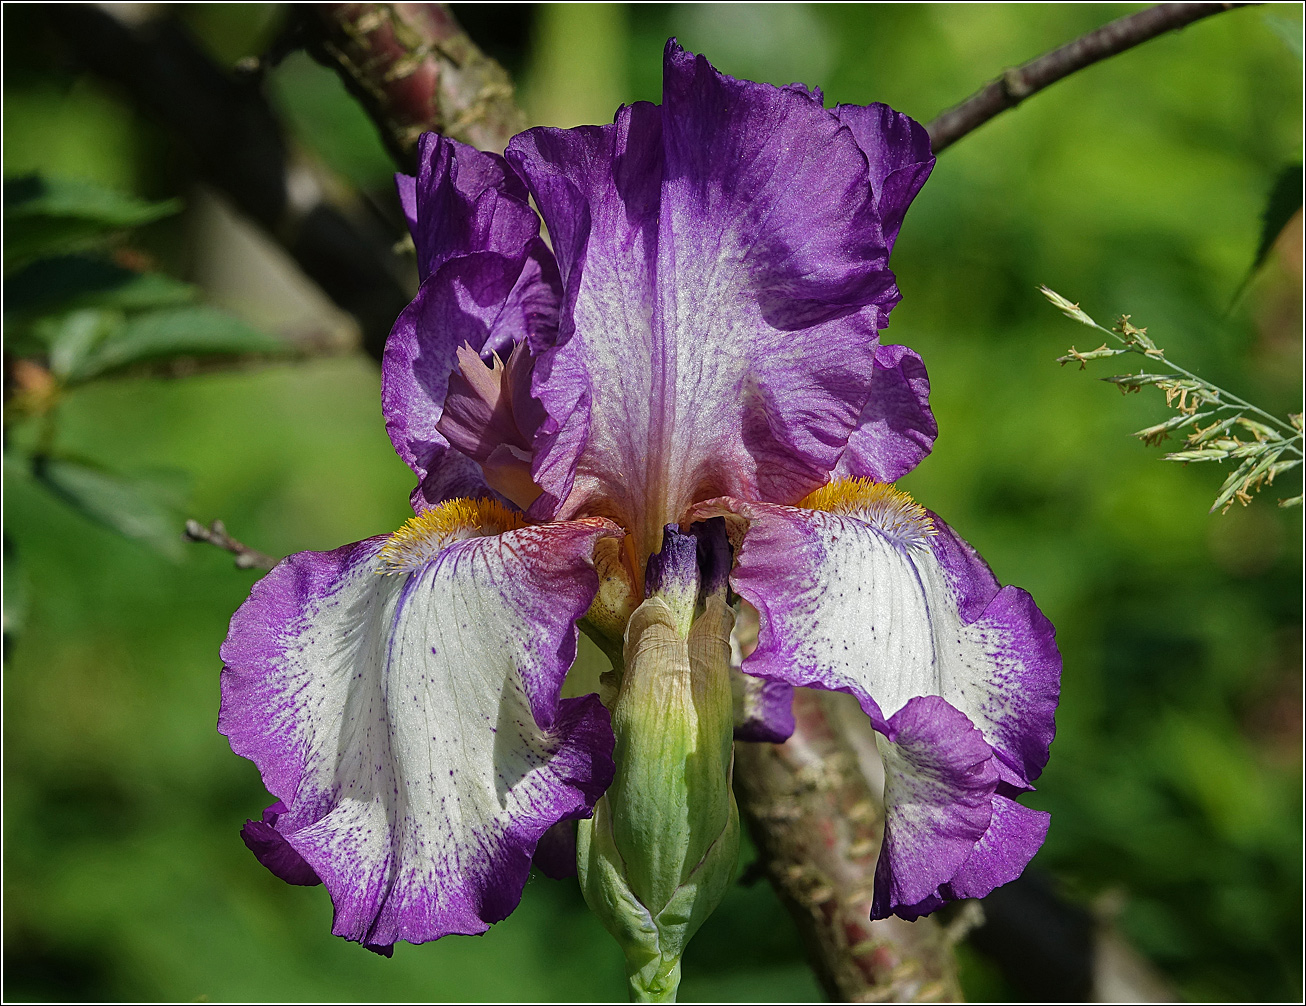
74, 281
46, 216
73, 338
145, 507
1282, 205
170, 333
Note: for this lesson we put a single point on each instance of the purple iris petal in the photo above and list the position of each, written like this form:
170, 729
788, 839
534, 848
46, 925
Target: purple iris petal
484, 300
896, 429
887, 603
764, 710
488, 281
463, 200
273, 851
938, 801
725, 277
411, 724
898, 150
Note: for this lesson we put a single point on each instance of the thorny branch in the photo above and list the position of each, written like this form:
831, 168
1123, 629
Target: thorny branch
1018, 83
216, 534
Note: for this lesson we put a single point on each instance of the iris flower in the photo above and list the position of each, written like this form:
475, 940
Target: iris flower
698, 339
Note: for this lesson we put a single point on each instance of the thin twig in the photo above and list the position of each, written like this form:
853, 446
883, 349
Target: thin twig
1018, 83
216, 534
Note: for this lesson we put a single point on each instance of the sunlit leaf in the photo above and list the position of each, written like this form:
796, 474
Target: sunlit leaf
73, 338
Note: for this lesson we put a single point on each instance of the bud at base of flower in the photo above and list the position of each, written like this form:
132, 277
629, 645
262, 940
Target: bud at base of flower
659, 854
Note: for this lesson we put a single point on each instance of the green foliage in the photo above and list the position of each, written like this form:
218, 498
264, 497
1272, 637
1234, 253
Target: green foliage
68, 282
145, 507
1283, 203
90, 343
45, 216
72, 319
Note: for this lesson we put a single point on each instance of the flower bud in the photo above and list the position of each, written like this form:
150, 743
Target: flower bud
660, 851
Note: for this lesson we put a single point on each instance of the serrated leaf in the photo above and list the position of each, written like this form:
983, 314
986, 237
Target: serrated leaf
144, 507
46, 216
166, 334
74, 281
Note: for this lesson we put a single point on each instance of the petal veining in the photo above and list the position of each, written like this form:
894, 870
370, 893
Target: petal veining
725, 277
411, 724
863, 602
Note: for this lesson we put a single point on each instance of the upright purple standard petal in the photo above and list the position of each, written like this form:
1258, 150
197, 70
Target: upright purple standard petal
488, 282
463, 200
725, 276
898, 150
896, 429
411, 725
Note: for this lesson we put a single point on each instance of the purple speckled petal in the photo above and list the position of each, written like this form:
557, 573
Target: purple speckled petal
725, 277
898, 150
855, 605
939, 779
485, 300
411, 722
896, 429
463, 200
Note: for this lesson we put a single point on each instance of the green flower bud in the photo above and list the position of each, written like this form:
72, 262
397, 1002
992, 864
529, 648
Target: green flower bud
659, 853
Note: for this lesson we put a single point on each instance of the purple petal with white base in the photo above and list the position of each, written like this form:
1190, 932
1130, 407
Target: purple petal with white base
892, 612
411, 722
725, 276
959, 677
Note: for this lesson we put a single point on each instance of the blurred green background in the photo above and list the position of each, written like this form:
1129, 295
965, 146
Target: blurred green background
1134, 187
